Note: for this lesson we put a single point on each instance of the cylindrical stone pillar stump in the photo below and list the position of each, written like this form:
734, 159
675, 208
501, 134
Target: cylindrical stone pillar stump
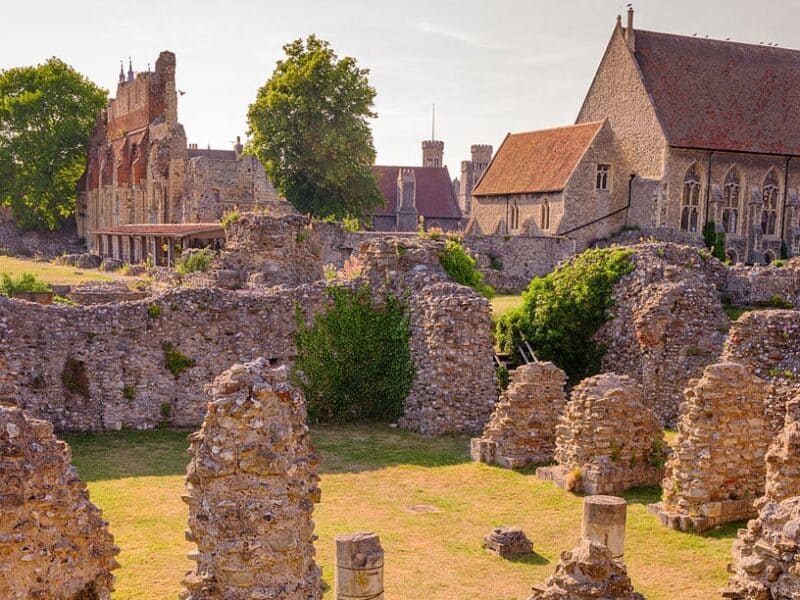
359, 566
604, 522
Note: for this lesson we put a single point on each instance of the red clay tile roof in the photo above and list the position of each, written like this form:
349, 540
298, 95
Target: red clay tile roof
722, 95
435, 196
536, 161
164, 229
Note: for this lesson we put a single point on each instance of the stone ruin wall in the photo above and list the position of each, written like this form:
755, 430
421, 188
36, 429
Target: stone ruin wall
783, 459
32, 243
607, 441
766, 555
758, 285
251, 487
667, 323
522, 430
765, 341
54, 544
104, 367
587, 572
717, 469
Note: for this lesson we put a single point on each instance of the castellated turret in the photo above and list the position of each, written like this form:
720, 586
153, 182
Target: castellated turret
432, 153
406, 215
471, 171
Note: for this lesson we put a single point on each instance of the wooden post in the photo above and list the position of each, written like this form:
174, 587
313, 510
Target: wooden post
359, 566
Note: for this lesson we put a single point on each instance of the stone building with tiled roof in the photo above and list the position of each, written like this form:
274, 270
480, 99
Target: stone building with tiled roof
694, 130
417, 195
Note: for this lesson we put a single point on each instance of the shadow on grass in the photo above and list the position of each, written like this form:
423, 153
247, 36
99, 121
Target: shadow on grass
529, 559
726, 531
642, 495
342, 449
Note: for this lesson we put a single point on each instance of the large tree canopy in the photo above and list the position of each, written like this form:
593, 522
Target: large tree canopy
309, 126
46, 117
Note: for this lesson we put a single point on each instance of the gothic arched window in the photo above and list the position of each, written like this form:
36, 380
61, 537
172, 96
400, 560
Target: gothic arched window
769, 208
731, 195
515, 216
690, 200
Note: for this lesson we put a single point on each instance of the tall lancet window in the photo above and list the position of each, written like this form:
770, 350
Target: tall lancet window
690, 200
731, 196
769, 209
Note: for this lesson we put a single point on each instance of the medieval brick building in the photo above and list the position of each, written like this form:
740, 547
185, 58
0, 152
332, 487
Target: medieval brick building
418, 195
141, 173
686, 131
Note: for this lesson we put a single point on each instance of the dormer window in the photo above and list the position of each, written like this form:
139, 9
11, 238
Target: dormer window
601, 183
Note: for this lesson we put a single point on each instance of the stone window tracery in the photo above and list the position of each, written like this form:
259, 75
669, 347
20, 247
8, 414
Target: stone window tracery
769, 210
690, 200
544, 216
601, 182
515, 216
732, 193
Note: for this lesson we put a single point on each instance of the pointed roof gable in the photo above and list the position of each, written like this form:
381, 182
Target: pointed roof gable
721, 95
536, 161
435, 198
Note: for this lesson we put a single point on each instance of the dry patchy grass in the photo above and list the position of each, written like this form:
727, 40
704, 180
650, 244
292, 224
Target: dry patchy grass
501, 304
52, 273
371, 476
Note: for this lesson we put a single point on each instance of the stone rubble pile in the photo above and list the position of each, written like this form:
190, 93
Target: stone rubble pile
54, 543
251, 488
508, 542
587, 573
766, 555
783, 459
607, 441
522, 430
717, 469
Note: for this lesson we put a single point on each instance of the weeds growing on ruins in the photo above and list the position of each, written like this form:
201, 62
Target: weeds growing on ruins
562, 311
24, 282
354, 362
461, 268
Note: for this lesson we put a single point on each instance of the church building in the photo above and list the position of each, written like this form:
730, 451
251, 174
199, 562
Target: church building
675, 132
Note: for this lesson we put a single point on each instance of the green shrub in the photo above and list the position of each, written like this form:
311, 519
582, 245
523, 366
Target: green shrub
154, 311
502, 379
351, 224
166, 410
461, 268
194, 262
777, 302
354, 363
229, 218
57, 299
562, 311
129, 392
174, 360
24, 282
714, 241
778, 262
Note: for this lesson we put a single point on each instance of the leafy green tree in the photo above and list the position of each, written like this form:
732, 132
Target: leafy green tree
46, 116
309, 126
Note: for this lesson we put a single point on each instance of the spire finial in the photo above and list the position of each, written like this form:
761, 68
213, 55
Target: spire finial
130, 69
121, 71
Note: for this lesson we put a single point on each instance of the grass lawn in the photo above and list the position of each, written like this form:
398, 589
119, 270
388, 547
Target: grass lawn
501, 304
372, 476
52, 273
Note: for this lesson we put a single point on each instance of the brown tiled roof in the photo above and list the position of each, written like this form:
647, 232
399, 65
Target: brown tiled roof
435, 196
163, 229
536, 161
722, 95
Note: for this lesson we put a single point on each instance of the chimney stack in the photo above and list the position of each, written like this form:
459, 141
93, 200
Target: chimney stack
630, 36
237, 147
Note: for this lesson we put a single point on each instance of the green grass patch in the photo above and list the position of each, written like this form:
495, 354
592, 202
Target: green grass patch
372, 479
51, 273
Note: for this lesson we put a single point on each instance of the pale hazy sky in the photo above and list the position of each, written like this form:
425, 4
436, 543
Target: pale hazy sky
491, 66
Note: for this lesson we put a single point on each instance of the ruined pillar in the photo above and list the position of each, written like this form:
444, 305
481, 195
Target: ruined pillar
604, 522
359, 566
251, 488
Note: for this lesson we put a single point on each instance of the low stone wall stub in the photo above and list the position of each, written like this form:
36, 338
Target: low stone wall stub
607, 441
522, 430
717, 469
54, 542
251, 487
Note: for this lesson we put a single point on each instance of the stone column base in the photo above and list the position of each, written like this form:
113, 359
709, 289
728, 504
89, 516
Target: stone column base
709, 516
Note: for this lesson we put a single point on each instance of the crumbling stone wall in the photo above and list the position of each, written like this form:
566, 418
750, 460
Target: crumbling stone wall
783, 459
587, 573
54, 544
758, 285
32, 243
765, 341
252, 483
452, 346
522, 430
667, 323
766, 555
717, 469
606, 440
